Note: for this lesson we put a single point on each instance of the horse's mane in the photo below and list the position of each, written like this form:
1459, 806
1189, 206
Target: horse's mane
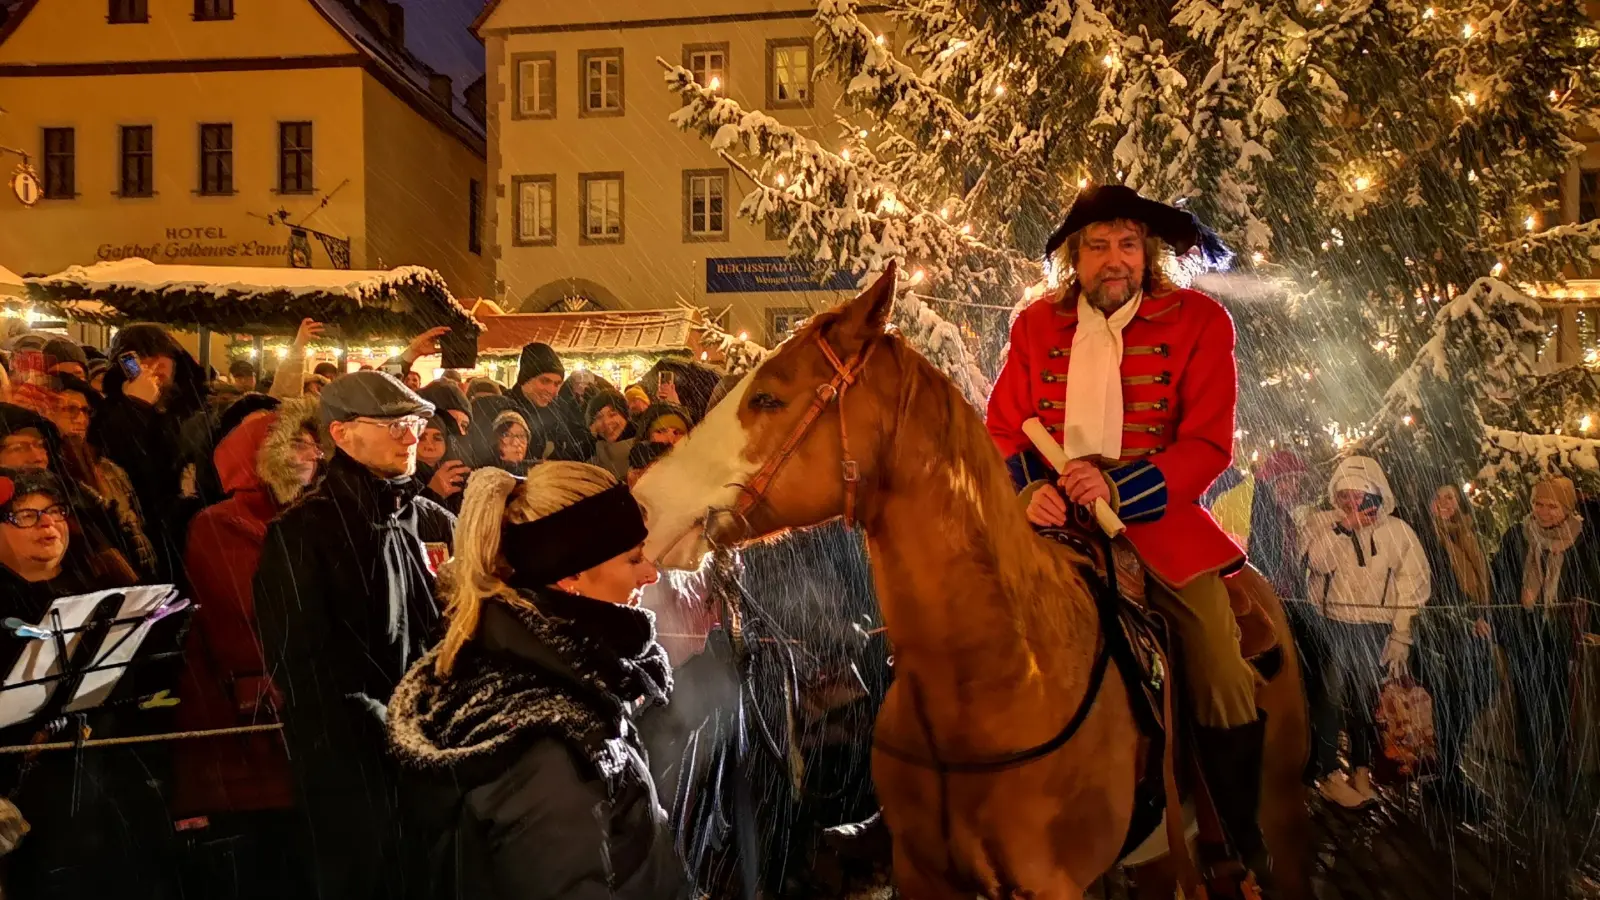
1040, 579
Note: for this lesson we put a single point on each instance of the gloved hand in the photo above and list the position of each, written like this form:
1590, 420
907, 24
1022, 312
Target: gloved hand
1395, 654
12, 826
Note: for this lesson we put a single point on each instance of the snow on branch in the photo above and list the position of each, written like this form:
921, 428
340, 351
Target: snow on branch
739, 355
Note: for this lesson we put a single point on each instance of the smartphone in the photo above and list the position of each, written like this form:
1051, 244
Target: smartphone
130, 365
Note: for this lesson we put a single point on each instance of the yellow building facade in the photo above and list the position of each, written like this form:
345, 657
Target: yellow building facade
599, 201
200, 131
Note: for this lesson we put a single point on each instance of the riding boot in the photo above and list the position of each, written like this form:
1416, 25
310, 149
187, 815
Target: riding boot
1230, 760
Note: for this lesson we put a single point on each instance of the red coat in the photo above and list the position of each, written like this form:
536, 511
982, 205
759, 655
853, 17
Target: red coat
225, 682
1179, 389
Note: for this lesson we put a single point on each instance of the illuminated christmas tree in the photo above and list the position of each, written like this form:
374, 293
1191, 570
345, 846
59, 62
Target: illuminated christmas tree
1370, 162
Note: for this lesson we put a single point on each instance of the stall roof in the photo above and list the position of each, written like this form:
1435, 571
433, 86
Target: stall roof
361, 304
629, 332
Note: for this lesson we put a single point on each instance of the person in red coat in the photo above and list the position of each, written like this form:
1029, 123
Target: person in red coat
238, 789
1136, 378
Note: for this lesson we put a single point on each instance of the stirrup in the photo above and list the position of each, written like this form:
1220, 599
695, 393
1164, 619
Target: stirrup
1231, 877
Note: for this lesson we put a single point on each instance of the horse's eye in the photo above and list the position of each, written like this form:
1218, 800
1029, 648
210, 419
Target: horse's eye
764, 400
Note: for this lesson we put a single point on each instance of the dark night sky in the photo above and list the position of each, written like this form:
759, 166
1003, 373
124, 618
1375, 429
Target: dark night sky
436, 31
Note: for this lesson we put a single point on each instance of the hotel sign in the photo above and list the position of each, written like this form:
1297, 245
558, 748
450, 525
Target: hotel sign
755, 274
195, 243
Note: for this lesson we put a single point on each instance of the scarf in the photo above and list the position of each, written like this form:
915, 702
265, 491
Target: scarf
602, 659
1547, 548
1093, 425
1466, 557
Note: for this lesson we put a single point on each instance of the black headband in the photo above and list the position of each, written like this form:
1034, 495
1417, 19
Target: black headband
573, 540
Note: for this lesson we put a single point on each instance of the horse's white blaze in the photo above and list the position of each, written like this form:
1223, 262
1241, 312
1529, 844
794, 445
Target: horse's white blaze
701, 473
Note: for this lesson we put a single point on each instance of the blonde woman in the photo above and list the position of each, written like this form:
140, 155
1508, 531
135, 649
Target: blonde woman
516, 732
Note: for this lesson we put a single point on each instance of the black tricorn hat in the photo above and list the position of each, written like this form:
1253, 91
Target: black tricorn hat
1181, 229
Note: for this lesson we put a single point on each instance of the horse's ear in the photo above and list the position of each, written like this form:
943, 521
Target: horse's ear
868, 313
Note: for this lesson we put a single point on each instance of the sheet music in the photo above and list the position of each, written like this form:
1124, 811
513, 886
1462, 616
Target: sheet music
40, 659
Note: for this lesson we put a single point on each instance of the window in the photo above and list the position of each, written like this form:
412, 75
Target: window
536, 86
216, 159
294, 157
782, 321
535, 217
600, 94
789, 73
600, 208
708, 63
138, 161
212, 10
474, 216
1588, 334
60, 164
1589, 195
705, 205
127, 12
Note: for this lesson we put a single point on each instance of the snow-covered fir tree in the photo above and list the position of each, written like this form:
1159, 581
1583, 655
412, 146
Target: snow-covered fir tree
1370, 161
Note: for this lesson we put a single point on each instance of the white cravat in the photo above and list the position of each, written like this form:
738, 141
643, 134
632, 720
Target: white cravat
1094, 381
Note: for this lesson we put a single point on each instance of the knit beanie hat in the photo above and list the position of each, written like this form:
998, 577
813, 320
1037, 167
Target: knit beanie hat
603, 400
1558, 490
662, 415
62, 350
445, 395
508, 418
538, 359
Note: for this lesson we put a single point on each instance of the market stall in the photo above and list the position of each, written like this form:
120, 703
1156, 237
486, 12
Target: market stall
622, 347
365, 311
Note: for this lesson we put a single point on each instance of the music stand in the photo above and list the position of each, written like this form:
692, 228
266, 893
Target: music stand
84, 645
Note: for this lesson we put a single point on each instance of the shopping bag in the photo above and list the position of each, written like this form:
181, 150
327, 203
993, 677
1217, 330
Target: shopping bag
1405, 725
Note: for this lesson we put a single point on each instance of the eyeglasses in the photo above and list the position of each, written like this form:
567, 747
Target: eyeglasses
398, 427
29, 518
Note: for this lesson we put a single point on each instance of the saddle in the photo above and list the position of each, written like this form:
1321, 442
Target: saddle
1138, 641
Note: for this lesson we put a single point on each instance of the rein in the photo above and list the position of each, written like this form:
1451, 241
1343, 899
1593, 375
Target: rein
845, 374
1016, 758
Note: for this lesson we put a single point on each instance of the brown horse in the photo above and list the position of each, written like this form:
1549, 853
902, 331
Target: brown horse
994, 629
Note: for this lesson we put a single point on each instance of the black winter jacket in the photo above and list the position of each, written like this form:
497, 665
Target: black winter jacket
556, 431
344, 602
523, 768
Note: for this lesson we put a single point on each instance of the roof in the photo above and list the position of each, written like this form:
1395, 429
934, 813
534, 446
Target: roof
398, 68
399, 62
629, 332
397, 303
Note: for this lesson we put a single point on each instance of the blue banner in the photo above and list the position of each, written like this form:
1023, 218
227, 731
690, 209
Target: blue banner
748, 274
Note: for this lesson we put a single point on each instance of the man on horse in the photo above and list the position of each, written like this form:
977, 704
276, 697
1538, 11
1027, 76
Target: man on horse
1136, 378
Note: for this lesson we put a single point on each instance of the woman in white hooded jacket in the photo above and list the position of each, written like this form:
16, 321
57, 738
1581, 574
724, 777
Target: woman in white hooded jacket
1367, 576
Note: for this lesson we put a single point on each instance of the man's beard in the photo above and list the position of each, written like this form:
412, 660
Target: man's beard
1109, 300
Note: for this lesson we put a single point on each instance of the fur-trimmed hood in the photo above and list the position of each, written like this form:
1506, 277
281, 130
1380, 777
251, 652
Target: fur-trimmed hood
564, 667
257, 454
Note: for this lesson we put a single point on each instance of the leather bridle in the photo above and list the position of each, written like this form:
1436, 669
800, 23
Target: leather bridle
845, 374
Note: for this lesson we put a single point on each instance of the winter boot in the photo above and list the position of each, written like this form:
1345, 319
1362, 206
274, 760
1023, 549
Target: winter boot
1230, 760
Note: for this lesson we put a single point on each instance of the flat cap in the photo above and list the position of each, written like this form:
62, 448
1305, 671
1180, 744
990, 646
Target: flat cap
374, 395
